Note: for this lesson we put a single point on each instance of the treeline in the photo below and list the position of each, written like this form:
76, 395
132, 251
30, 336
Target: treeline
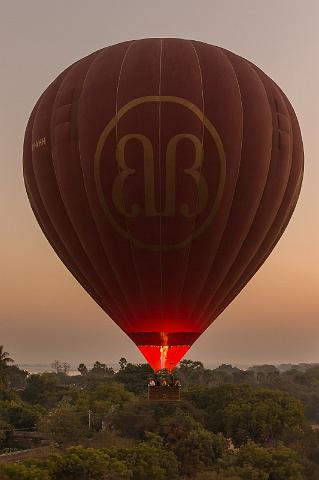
230, 424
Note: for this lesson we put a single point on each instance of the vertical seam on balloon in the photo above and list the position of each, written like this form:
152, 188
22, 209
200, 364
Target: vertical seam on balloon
58, 93
35, 207
273, 244
204, 285
118, 307
258, 207
274, 86
160, 175
93, 218
61, 199
281, 231
87, 196
283, 227
211, 313
189, 248
126, 222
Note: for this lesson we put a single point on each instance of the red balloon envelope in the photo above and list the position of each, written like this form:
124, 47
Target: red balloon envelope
163, 172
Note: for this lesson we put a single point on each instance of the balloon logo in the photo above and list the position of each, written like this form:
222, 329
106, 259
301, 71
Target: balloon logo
194, 172
163, 172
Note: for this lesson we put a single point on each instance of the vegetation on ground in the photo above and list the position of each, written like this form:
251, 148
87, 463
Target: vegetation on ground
231, 424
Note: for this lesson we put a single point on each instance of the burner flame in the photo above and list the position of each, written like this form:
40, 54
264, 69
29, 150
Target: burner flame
164, 352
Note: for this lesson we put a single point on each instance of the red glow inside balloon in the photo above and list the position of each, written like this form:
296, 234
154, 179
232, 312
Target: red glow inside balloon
163, 357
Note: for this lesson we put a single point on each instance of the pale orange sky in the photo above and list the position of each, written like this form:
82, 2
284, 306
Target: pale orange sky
44, 313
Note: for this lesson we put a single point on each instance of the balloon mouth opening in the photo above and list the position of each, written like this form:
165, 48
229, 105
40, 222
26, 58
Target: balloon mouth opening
163, 357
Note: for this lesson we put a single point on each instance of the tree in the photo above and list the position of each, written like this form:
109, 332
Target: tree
5, 429
147, 461
101, 369
143, 462
194, 447
13, 471
16, 378
214, 400
306, 443
4, 363
122, 363
190, 371
263, 416
134, 419
134, 377
19, 414
87, 464
63, 424
66, 367
82, 368
199, 449
254, 462
213, 475
56, 366
243, 412
61, 367
44, 389
102, 399
111, 391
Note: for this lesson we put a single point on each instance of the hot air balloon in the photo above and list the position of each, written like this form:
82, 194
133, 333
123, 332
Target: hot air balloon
163, 172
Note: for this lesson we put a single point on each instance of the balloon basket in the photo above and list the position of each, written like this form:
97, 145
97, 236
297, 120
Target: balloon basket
164, 393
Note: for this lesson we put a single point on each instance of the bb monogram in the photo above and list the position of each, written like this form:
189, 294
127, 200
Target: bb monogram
170, 208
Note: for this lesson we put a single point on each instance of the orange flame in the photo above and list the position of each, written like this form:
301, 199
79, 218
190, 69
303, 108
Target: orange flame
164, 352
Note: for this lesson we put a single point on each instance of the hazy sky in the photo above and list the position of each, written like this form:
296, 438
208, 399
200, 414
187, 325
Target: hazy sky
44, 313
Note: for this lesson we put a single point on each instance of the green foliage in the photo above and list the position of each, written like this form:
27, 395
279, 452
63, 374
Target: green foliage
254, 462
101, 369
113, 392
4, 364
214, 400
213, 475
302, 383
6, 394
306, 444
147, 462
144, 440
86, 464
189, 370
134, 419
243, 413
194, 447
44, 389
102, 399
63, 424
193, 373
11, 471
20, 414
5, 429
133, 377
263, 416
199, 449
15, 377
143, 462
109, 439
